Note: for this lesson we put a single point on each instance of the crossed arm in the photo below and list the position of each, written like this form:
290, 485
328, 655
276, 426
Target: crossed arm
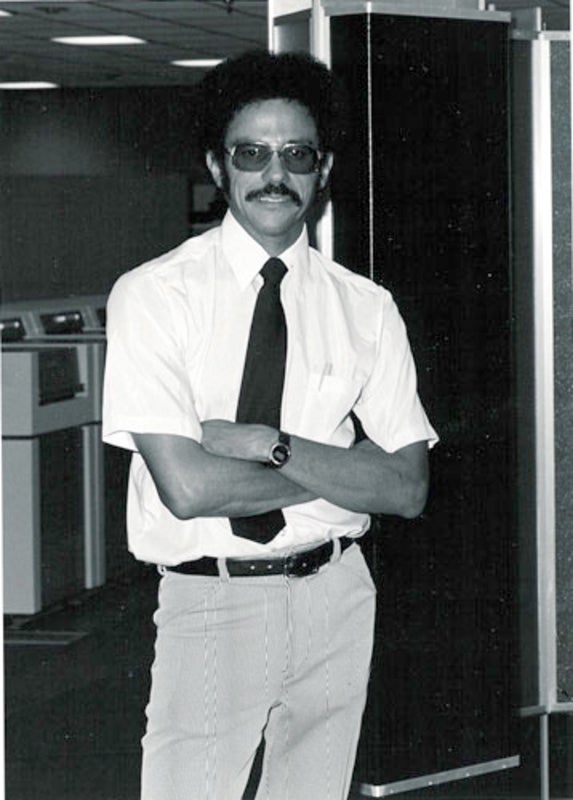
226, 475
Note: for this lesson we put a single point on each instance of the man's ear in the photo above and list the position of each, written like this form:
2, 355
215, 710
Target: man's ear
215, 169
324, 169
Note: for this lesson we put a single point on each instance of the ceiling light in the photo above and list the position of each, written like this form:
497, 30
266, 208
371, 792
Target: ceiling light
98, 40
28, 85
198, 62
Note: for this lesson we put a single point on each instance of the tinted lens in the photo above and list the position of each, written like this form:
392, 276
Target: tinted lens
251, 157
298, 158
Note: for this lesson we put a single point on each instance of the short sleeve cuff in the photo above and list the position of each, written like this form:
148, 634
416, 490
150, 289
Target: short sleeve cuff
119, 432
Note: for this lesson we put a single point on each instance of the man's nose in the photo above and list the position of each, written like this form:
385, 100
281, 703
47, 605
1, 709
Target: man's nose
275, 170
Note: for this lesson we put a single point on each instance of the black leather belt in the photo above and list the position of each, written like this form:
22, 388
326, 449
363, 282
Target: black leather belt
294, 565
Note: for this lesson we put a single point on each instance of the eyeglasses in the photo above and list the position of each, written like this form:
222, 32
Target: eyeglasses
301, 159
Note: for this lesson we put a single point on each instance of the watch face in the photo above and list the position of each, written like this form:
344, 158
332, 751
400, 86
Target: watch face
280, 451
280, 454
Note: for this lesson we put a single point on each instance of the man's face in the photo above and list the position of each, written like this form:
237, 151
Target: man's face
272, 203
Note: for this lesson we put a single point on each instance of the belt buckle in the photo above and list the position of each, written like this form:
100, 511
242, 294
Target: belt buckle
301, 564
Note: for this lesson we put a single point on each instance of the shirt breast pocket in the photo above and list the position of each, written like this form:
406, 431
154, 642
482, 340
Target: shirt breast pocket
327, 402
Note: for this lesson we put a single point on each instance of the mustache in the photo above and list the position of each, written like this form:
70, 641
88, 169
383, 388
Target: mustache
275, 189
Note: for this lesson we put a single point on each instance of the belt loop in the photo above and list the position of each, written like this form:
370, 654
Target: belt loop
336, 551
223, 570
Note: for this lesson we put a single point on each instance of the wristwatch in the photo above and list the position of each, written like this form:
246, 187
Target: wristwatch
280, 451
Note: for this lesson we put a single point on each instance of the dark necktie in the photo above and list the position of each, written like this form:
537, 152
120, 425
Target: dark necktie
262, 384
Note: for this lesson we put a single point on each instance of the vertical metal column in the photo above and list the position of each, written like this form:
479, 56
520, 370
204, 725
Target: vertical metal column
94, 507
542, 247
544, 359
544, 787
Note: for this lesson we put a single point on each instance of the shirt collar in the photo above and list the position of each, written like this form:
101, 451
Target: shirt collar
246, 256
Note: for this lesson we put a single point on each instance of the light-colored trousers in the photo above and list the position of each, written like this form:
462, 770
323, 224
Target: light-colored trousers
240, 658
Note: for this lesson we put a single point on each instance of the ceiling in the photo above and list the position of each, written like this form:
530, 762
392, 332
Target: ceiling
174, 30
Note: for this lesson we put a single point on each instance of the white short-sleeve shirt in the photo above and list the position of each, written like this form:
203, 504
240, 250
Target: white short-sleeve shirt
178, 328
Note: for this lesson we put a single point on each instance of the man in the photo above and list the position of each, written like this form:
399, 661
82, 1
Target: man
232, 374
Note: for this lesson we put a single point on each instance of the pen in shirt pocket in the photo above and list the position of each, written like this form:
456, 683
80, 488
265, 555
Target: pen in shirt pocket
325, 373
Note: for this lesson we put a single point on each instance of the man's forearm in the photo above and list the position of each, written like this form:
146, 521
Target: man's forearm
364, 478
234, 488
194, 483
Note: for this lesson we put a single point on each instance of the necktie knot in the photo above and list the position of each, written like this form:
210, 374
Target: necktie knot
273, 272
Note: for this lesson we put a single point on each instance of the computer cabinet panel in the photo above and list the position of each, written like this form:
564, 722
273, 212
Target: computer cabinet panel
420, 203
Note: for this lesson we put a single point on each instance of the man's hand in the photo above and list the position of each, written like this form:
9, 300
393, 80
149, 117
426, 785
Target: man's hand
248, 442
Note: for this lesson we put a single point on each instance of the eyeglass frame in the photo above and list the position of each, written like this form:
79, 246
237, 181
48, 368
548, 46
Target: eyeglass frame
319, 155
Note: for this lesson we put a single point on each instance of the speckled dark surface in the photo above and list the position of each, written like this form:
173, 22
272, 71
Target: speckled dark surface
563, 344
